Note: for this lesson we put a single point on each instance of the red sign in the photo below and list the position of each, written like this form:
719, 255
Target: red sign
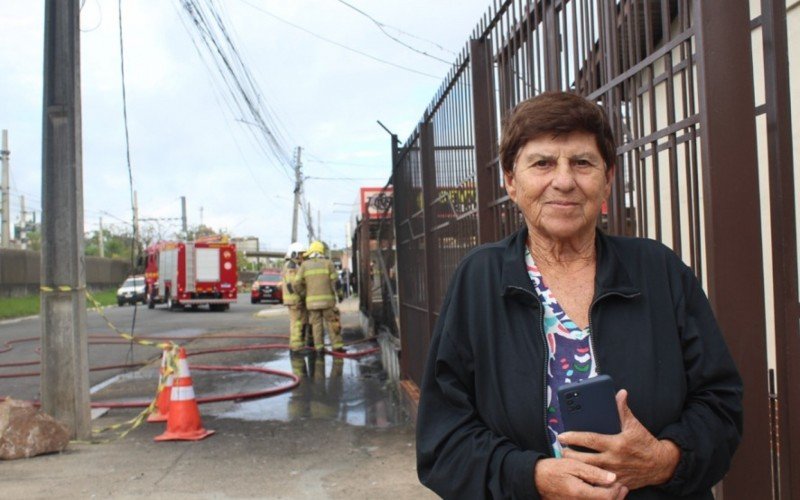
376, 203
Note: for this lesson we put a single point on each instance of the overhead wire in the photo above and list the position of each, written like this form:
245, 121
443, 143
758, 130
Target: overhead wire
382, 26
223, 100
135, 238
237, 79
341, 45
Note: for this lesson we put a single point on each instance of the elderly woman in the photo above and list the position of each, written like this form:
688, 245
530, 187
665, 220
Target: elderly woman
558, 302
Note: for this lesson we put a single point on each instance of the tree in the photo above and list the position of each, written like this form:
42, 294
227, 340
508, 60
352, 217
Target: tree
118, 243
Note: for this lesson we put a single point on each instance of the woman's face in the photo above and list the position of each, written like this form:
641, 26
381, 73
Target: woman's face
560, 183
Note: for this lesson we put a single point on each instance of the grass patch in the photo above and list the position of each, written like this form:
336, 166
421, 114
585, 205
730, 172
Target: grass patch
16, 307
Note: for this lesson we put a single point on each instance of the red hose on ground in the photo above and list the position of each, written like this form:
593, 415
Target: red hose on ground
211, 399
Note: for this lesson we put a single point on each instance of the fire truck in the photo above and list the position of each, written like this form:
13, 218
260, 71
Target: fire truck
191, 273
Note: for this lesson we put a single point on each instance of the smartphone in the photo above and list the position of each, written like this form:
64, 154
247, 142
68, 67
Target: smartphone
589, 406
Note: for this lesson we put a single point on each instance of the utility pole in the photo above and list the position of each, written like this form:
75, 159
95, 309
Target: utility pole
309, 224
101, 244
22, 235
298, 188
6, 223
135, 213
184, 227
64, 348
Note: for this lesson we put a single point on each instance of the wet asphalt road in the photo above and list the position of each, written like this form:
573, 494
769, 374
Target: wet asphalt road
339, 434
143, 322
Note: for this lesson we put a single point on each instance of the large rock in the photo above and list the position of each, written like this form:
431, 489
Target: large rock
26, 431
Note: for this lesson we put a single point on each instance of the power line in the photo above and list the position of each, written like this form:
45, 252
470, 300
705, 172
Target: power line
236, 77
382, 26
346, 178
328, 40
125, 119
135, 238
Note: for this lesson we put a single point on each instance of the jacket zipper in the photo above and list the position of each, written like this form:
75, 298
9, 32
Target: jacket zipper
546, 352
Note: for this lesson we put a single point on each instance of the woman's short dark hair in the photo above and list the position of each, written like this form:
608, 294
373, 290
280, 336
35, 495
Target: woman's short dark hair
555, 113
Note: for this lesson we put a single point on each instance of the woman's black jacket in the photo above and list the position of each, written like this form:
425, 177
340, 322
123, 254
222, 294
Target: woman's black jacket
481, 419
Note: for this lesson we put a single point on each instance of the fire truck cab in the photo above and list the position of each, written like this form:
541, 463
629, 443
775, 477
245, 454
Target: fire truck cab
193, 273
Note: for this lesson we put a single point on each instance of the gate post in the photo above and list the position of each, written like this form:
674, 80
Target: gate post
733, 224
485, 135
784, 242
428, 166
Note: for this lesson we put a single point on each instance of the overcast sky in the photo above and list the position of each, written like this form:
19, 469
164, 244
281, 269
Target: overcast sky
185, 140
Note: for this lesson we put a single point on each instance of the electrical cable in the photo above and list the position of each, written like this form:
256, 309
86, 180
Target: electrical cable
242, 88
99, 22
381, 26
135, 238
328, 40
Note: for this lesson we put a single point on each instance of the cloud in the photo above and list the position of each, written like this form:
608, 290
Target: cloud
184, 137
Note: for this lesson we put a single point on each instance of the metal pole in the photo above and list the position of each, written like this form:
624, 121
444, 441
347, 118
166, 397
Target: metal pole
136, 212
784, 242
298, 187
6, 223
65, 370
485, 142
22, 237
733, 224
310, 224
184, 226
429, 195
101, 243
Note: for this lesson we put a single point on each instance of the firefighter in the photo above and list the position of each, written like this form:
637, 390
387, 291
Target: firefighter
298, 315
317, 279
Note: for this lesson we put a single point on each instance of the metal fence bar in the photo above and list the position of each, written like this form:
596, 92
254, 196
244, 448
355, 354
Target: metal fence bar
652, 64
730, 178
485, 134
784, 243
428, 163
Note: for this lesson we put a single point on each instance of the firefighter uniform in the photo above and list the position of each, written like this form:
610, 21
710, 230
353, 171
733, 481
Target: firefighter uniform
298, 315
316, 280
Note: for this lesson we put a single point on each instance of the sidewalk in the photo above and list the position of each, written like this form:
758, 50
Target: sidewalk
339, 434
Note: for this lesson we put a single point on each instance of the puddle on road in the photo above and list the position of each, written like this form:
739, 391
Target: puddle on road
348, 390
352, 391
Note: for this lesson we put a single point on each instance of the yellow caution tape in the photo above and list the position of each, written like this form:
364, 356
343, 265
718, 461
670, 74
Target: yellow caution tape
171, 367
58, 288
127, 336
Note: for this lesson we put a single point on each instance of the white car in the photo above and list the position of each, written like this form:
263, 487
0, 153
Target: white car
131, 291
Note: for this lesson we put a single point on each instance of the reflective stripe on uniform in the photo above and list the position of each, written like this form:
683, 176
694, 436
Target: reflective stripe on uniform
318, 298
314, 272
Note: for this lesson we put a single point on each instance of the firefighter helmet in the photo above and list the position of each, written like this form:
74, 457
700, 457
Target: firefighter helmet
316, 247
295, 250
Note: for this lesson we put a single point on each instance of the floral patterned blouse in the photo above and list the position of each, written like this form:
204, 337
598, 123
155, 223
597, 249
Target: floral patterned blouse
570, 352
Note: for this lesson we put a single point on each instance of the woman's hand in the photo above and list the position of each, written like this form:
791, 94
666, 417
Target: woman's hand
636, 457
564, 478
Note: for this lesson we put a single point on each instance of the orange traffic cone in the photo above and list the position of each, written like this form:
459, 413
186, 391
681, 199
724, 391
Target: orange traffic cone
162, 400
183, 421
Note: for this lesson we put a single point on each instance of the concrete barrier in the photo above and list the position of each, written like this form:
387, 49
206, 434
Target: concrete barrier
20, 272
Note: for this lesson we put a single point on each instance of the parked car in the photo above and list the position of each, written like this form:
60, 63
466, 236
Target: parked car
131, 291
267, 286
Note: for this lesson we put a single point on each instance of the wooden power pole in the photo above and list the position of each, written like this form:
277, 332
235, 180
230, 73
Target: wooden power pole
65, 353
